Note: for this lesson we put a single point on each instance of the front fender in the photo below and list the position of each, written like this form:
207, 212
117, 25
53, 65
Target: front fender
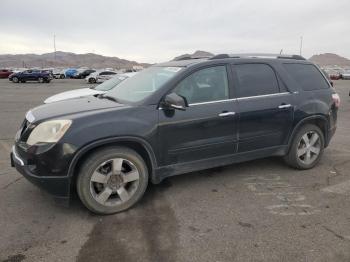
108, 141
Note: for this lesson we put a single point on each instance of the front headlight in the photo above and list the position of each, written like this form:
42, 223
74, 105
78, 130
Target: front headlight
49, 132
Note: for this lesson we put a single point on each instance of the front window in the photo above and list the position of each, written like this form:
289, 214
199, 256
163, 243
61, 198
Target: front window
205, 85
109, 84
143, 84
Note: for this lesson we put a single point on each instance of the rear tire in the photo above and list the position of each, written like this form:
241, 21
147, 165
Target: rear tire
112, 180
62, 76
307, 148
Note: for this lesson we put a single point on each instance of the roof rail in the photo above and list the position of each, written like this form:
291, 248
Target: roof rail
258, 55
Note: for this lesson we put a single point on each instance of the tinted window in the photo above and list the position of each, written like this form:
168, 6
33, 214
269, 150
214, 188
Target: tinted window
307, 76
255, 80
205, 85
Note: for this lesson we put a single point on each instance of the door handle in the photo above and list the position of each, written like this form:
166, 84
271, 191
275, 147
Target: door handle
284, 106
223, 114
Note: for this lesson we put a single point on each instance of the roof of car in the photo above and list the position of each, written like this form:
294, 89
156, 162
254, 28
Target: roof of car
188, 61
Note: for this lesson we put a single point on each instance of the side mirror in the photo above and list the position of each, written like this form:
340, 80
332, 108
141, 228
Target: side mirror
332, 83
174, 101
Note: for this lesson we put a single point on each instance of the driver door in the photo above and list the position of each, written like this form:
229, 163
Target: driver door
208, 126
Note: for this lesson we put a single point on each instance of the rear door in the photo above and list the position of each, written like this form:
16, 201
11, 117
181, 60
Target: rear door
265, 107
208, 127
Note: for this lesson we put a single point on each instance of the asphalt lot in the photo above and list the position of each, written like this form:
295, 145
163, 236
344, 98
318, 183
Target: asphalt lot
256, 211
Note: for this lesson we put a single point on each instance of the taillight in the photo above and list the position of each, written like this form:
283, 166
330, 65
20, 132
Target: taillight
336, 99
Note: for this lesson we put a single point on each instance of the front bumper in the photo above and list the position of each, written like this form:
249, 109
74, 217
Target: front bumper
58, 186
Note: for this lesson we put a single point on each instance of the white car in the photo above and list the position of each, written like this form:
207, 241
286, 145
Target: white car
100, 89
346, 75
58, 73
99, 77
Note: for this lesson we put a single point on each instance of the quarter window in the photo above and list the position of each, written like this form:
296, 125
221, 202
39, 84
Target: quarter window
256, 80
205, 85
307, 76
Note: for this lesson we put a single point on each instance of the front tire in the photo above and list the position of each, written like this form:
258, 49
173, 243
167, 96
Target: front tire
15, 79
92, 80
41, 80
112, 180
307, 148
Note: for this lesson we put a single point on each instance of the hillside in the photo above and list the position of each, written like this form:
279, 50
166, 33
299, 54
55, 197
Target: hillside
330, 59
65, 59
196, 54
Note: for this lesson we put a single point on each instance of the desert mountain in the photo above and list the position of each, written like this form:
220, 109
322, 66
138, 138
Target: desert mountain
329, 59
196, 54
65, 59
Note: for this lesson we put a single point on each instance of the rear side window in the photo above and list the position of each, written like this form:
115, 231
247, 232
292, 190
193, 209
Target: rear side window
256, 80
307, 76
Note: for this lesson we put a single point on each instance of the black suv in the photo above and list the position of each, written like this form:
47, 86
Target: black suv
84, 73
174, 118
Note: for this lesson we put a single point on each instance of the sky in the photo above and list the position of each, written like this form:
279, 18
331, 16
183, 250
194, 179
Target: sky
158, 30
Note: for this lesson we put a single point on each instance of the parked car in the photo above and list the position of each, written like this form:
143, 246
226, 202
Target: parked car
84, 73
5, 73
174, 118
42, 76
59, 73
70, 72
346, 75
333, 75
99, 77
99, 89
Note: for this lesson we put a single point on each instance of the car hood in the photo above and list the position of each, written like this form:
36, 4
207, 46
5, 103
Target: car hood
70, 108
72, 94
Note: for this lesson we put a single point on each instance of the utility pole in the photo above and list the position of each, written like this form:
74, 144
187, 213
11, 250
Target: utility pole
54, 46
301, 44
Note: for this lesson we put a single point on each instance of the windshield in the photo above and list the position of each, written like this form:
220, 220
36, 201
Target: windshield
143, 84
109, 84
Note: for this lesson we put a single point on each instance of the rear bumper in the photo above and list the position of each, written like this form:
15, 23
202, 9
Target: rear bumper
57, 186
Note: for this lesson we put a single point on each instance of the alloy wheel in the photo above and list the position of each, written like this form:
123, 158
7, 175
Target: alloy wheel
114, 182
309, 147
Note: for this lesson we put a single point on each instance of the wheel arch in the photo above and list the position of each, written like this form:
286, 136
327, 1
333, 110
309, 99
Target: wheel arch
320, 121
141, 146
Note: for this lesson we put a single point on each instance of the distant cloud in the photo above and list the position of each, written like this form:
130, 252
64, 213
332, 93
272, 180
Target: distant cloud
158, 30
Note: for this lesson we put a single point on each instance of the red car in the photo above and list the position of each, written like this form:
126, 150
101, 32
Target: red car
4, 73
333, 75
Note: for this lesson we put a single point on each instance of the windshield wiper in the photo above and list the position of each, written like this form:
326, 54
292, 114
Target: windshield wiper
108, 97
